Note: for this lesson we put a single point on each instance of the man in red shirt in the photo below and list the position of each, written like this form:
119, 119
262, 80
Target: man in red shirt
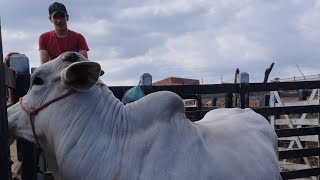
61, 39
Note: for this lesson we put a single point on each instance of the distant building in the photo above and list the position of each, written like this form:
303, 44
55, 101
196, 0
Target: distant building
300, 78
176, 81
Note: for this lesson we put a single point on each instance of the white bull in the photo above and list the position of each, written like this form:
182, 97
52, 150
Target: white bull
90, 134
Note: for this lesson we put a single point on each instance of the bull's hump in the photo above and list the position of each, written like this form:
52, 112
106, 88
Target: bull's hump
161, 105
166, 99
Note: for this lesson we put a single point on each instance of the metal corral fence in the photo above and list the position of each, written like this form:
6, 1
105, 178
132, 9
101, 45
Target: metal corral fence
29, 168
243, 91
16, 84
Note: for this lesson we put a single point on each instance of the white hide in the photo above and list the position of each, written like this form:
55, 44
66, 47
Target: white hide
92, 135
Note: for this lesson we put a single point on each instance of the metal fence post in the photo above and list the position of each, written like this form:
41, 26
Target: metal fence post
228, 100
26, 149
5, 170
243, 81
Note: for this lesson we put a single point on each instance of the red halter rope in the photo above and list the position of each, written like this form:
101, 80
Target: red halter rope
34, 110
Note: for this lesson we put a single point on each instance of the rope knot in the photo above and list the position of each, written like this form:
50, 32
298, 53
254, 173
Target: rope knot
33, 111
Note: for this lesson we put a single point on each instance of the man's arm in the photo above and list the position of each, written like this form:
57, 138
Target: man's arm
44, 56
84, 53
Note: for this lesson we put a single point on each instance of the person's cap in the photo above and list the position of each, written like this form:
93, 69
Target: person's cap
57, 7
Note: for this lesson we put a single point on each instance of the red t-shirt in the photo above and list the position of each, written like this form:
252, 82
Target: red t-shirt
55, 46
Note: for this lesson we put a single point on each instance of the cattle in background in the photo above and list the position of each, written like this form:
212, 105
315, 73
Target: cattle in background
87, 133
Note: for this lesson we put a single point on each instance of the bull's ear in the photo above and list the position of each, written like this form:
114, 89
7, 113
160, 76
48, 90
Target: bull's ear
102, 72
82, 75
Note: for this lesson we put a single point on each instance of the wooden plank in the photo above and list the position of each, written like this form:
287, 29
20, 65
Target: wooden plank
302, 138
300, 173
289, 166
310, 122
298, 132
298, 103
298, 153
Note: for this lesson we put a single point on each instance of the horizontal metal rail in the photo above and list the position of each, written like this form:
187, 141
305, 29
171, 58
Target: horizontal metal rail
224, 88
298, 132
300, 173
298, 153
288, 110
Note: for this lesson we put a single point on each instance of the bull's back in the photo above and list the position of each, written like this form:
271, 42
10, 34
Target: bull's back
241, 143
226, 144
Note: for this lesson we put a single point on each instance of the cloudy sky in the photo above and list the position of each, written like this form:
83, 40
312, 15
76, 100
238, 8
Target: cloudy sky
198, 39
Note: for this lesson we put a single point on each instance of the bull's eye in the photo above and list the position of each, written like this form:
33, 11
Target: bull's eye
37, 81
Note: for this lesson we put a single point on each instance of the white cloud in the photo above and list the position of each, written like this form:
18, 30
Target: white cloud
159, 8
198, 39
238, 46
306, 23
12, 35
91, 26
